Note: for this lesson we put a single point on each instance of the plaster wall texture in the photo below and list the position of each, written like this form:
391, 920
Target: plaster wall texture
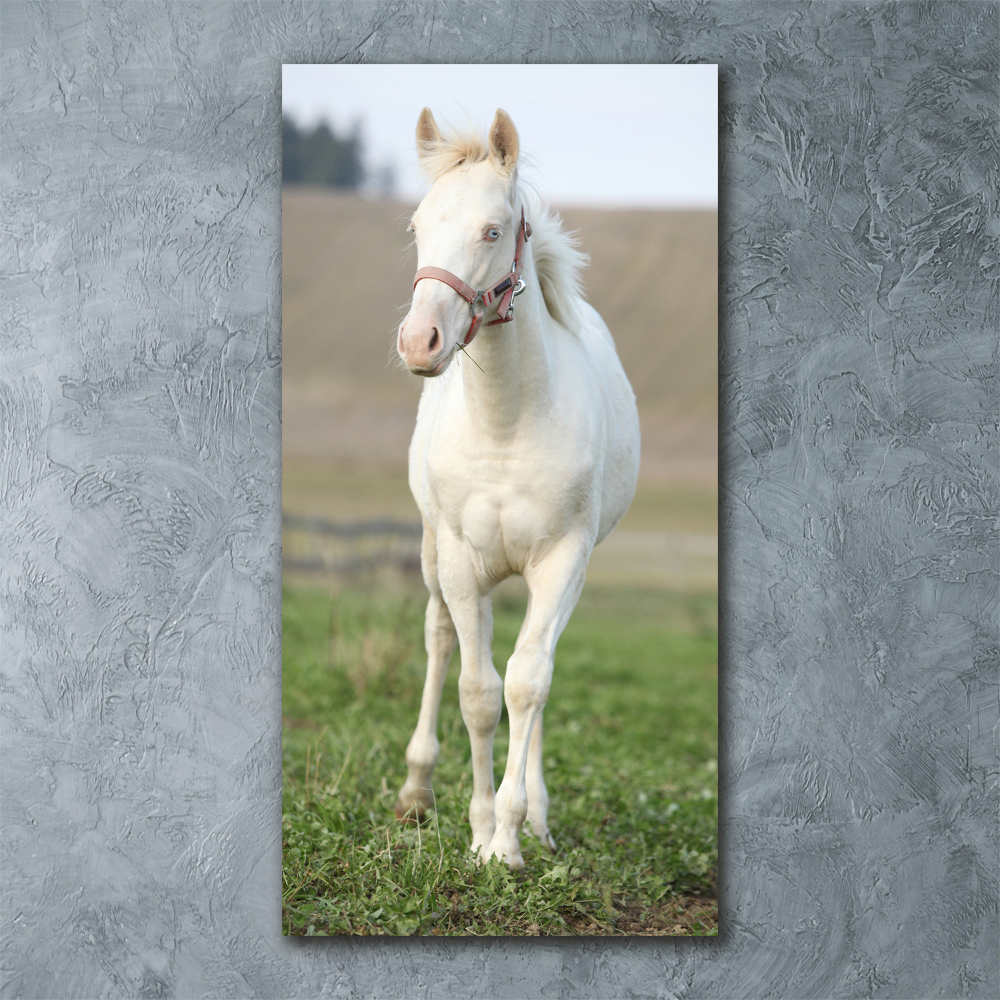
140, 482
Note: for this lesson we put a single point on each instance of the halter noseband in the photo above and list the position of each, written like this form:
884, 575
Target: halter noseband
504, 290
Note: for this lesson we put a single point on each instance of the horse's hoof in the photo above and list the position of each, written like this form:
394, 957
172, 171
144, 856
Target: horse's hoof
414, 814
545, 838
509, 854
412, 810
515, 863
414, 803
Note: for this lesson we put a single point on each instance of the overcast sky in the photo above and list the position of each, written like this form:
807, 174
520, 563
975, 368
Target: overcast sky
635, 135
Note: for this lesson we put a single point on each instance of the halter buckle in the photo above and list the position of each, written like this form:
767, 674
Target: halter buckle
518, 288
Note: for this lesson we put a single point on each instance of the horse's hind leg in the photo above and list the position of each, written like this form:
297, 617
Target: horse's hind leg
538, 795
534, 779
416, 797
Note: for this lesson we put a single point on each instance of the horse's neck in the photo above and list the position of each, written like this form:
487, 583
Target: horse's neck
506, 375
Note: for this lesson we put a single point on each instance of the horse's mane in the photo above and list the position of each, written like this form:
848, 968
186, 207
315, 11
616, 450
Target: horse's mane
558, 262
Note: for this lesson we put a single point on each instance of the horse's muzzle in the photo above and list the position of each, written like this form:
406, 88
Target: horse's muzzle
422, 347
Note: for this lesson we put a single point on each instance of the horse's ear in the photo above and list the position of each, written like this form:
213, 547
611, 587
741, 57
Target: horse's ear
428, 135
504, 145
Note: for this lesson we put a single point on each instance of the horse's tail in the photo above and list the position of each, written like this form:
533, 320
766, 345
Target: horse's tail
558, 262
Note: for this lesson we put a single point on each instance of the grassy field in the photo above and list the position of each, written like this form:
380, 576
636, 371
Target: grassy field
630, 759
631, 723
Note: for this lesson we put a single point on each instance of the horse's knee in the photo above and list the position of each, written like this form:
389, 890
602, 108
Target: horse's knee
481, 698
529, 678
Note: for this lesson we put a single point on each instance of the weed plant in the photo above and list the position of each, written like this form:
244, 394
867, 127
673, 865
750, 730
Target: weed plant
630, 763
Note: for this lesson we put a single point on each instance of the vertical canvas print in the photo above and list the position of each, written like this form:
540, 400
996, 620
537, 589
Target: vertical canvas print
499, 500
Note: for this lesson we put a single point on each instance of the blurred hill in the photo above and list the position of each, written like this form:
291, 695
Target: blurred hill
346, 284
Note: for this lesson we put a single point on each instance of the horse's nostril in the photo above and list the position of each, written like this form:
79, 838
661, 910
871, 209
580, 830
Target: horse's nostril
434, 339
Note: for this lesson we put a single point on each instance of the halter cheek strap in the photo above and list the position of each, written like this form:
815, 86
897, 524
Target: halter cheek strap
504, 290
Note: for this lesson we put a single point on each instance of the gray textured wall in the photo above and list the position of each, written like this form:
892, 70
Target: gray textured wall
140, 471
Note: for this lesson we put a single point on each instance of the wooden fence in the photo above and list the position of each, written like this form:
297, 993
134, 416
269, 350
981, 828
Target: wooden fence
314, 545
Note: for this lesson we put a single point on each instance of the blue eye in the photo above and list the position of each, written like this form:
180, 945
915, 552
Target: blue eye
493, 234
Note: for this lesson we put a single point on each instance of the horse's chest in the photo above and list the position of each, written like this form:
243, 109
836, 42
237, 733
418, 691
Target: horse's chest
506, 508
503, 527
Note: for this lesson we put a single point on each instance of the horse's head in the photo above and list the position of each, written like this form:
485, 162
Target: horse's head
466, 225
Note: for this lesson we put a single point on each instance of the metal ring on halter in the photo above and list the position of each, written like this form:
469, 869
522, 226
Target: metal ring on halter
518, 288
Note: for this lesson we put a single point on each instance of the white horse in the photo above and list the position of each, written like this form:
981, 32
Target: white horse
524, 456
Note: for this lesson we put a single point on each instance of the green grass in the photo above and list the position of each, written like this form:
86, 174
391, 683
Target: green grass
630, 763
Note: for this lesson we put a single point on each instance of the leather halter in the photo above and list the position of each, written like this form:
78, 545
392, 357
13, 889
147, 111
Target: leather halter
504, 290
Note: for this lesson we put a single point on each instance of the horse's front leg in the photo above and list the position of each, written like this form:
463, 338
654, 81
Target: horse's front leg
416, 797
480, 688
555, 584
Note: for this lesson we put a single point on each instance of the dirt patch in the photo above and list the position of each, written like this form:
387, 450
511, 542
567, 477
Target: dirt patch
684, 916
